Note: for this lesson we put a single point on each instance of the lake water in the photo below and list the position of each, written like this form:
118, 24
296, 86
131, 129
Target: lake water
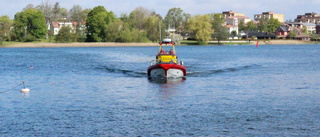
272, 90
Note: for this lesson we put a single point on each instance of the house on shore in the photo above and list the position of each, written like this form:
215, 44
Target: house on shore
318, 28
232, 21
283, 31
311, 27
258, 35
233, 28
55, 26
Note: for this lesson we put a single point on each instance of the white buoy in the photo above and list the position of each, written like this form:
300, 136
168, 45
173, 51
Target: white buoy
25, 90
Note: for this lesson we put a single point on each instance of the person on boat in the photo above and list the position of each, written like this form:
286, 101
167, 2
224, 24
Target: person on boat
172, 52
162, 51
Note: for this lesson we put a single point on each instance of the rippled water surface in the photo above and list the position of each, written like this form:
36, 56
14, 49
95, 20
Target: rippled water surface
273, 90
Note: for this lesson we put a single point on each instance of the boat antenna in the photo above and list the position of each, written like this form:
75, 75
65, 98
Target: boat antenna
160, 30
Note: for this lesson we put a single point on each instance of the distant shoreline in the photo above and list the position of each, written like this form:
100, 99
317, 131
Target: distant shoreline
115, 44
84, 44
283, 42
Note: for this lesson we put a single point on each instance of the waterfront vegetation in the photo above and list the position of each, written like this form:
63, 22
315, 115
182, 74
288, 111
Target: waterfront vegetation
101, 25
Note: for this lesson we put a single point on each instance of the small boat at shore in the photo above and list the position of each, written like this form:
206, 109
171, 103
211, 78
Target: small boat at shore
166, 63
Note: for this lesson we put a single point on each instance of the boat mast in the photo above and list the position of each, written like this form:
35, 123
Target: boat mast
160, 41
160, 30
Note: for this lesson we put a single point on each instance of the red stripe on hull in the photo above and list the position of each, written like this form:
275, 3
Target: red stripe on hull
166, 67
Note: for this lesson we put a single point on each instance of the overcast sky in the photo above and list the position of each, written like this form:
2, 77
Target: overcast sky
290, 8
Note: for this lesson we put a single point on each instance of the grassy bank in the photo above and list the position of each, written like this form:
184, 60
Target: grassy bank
10, 43
223, 42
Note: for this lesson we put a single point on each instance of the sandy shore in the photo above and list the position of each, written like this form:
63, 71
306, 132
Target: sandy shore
113, 44
281, 42
96, 44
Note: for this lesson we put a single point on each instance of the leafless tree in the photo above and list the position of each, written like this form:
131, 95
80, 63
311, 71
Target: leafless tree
75, 13
138, 15
29, 6
47, 9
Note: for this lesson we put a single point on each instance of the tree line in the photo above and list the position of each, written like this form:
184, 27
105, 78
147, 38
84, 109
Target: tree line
140, 25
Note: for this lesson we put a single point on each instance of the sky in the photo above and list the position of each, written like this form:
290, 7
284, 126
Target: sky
290, 8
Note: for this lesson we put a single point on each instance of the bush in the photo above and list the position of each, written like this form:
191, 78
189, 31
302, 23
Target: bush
30, 38
191, 39
253, 37
128, 35
177, 38
81, 38
65, 35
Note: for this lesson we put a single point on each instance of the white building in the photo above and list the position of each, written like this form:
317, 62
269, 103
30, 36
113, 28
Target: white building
233, 22
236, 20
311, 27
56, 26
233, 28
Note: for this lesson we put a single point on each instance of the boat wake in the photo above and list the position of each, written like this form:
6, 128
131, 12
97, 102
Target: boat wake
126, 72
207, 73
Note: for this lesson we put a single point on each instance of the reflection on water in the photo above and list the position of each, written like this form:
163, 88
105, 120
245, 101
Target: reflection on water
166, 80
25, 95
167, 86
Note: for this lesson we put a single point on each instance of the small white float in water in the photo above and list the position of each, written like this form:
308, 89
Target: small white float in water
24, 90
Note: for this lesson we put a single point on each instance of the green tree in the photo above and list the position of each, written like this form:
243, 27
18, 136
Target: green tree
185, 19
202, 28
314, 37
78, 15
221, 33
251, 26
151, 25
292, 34
33, 21
64, 13
174, 17
241, 26
97, 21
262, 26
128, 34
233, 33
124, 17
273, 24
304, 29
113, 30
5, 24
153, 13
217, 20
65, 35
59, 13
47, 10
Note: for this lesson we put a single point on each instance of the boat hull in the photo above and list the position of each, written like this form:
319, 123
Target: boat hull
166, 70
